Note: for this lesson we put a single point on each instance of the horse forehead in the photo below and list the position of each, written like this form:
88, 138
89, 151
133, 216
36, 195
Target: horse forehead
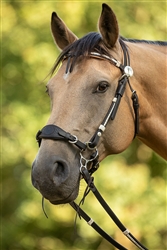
84, 71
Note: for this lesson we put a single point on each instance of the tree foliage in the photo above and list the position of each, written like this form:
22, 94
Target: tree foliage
132, 182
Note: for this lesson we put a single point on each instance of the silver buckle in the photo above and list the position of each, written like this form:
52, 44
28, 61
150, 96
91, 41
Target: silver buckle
75, 139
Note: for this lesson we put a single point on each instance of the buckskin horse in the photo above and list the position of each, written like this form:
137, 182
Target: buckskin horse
106, 91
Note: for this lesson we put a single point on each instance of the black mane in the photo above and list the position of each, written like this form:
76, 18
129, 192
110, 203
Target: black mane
82, 47
160, 43
92, 42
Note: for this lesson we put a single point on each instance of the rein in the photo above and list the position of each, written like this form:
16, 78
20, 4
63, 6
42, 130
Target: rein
54, 132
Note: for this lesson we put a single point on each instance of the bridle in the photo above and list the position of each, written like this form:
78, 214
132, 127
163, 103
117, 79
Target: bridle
88, 166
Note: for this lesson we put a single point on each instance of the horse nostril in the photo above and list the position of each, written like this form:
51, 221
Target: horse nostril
59, 169
60, 172
50, 175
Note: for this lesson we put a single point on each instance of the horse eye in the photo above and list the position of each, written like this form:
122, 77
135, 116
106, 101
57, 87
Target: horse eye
102, 87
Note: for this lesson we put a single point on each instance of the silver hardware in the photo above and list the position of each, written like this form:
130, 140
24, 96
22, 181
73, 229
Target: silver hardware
99, 134
90, 222
109, 115
128, 71
100, 55
102, 127
114, 99
75, 140
84, 162
95, 54
88, 147
117, 63
126, 232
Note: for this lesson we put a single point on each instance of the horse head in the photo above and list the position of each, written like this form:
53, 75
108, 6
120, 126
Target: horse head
81, 93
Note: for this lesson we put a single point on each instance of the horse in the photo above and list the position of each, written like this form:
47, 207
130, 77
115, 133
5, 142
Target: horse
107, 90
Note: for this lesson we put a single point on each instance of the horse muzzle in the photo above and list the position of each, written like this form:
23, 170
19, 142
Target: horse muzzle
54, 179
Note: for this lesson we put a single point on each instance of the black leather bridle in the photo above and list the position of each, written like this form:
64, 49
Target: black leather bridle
88, 166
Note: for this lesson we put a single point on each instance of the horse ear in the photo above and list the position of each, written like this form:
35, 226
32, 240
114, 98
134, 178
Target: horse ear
61, 34
108, 26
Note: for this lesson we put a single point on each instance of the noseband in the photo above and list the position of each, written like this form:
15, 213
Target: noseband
88, 166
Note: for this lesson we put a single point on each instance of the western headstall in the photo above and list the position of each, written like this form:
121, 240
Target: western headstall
88, 166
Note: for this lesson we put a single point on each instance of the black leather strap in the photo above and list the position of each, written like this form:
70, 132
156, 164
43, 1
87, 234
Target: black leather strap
54, 132
96, 227
89, 181
136, 110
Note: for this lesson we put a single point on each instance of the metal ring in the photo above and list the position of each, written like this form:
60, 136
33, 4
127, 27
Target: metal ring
92, 159
89, 143
81, 168
75, 141
97, 153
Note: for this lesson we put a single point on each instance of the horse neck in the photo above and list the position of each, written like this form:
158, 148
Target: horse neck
150, 73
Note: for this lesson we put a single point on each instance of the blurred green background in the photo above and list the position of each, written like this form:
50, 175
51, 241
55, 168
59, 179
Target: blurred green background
133, 182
